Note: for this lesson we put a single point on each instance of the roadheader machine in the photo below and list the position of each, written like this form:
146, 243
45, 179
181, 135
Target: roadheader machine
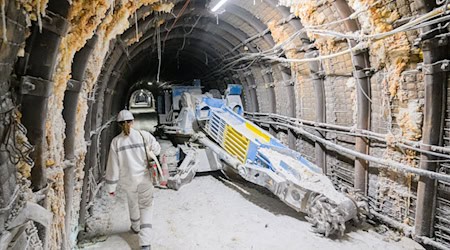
211, 133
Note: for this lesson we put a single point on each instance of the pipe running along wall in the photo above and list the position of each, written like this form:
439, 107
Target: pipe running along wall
204, 46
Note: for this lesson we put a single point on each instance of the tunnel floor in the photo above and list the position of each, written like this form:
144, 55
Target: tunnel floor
210, 213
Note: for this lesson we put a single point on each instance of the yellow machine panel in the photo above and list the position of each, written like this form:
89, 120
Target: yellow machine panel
235, 143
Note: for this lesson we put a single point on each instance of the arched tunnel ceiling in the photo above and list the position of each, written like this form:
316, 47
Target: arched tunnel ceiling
193, 44
208, 40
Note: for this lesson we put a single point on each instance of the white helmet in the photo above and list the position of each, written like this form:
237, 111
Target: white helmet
125, 115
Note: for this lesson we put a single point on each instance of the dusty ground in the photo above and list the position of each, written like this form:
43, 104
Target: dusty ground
211, 214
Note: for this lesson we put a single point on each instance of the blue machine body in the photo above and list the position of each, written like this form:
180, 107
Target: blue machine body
243, 139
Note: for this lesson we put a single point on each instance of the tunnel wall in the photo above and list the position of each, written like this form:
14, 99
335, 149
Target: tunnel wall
321, 91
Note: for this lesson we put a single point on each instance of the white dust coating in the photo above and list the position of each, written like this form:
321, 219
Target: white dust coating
208, 214
351, 85
318, 183
410, 120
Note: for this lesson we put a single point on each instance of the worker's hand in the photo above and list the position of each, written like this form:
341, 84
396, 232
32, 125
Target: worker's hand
112, 194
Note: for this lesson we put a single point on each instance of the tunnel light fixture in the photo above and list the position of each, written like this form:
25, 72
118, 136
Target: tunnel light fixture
218, 5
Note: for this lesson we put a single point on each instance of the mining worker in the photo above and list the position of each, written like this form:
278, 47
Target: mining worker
128, 162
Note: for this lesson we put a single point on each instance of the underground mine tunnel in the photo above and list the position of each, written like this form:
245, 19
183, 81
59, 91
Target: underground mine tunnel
308, 124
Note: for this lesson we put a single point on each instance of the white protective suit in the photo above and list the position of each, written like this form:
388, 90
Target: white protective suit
127, 163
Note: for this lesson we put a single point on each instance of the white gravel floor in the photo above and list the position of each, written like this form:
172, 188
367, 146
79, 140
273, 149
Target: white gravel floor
211, 214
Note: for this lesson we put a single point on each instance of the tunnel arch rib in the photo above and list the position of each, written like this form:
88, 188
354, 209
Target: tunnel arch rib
318, 75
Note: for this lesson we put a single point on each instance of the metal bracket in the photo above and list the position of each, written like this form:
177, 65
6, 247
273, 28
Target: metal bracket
74, 85
269, 85
285, 65
288, 83
360, 51
363, 73
319, 75
312, 54
431, 40
266, 71
55, 23
439, 66
308, 47
34, 86
109, 91
115, 74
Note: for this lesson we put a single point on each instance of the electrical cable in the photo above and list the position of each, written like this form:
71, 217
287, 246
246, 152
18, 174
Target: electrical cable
418, 22
15, 152
176, 19
381, 139
354, 69
188, 33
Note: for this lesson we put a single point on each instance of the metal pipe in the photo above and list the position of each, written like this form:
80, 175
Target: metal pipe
323, 125
434, 115
428, 241
420, 150
407, 230
361, 132
384, 163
